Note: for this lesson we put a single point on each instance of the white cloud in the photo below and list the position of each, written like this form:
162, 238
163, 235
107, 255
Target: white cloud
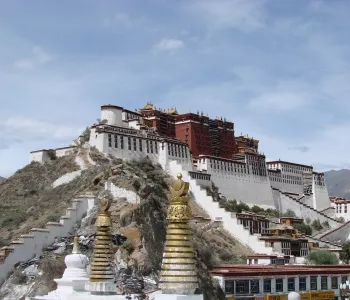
220, 14
169, 45
38, 57
23, 129
279, 101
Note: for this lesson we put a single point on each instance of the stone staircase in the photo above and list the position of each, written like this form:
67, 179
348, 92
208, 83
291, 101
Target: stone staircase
218, 214
30, 245
298, 200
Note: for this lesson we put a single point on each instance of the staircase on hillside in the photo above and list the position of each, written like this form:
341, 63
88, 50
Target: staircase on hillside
217, 213
30, 245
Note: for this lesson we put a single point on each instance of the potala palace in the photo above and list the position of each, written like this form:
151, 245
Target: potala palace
210, 157
208, 152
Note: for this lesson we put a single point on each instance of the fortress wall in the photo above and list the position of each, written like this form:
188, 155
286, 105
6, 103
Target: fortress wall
118, 192
338, 235
216, 213
248, 188
302, 211
31, 245
64, 151
320, 197
39, 156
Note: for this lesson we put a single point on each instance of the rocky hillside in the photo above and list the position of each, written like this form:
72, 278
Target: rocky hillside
139, 229
338, 183
2, 179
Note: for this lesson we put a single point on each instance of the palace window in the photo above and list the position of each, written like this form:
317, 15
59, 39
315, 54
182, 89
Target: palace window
156, 146
344, 279
279, 285
302, 283
151, 146
324, 282
168, 149
122, 142
242, 287
291, 284
109, 140
267, 285
313, 283
335, 284
135, 147
254, 287
115, 141
345, 208
147, 145
229, 286
140, 144
129, 142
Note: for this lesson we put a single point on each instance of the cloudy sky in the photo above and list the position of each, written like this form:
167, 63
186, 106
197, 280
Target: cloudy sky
279, 69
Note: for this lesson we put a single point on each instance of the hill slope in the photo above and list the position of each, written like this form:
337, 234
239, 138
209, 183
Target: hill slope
2, 179
29, 198
338, 183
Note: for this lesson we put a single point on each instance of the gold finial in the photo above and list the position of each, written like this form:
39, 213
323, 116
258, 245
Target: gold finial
76, 249
178, 266
102, 256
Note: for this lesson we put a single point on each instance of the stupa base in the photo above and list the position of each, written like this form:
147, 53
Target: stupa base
101, 288
177, 297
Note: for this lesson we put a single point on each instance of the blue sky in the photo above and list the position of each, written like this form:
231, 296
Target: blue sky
279, 69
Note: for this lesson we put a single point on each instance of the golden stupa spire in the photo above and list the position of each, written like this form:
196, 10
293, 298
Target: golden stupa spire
178, 274
101, 273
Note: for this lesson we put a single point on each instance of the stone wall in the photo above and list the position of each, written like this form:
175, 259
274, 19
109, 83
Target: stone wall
338, 235
286, 202
31, 244
118, 192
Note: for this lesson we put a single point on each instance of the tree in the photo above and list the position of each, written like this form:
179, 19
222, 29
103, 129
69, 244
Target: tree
325, 224
86, 135
289, 213
316, 224
344, 255
303, 228
322, 257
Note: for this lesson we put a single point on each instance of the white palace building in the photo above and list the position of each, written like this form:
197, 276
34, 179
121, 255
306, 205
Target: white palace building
208, 152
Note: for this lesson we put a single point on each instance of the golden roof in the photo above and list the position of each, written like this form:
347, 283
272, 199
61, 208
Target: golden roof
172, 111
149, 106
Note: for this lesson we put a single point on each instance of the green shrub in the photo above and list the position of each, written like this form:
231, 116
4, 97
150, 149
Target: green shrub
322, 257
19, 277
51, 154
289, 213
316, 224
303, 228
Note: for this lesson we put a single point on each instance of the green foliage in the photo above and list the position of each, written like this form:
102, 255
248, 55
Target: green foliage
289, 213
345, 253
51, 154
303, 228
19, 277
316, 224
86, 135
325, 224
127, 246
238, 207
340, 219
321, 257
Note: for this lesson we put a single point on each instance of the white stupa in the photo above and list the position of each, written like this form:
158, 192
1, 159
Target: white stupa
74, 277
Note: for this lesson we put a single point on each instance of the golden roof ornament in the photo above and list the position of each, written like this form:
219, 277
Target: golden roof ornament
101, 273
178, 274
